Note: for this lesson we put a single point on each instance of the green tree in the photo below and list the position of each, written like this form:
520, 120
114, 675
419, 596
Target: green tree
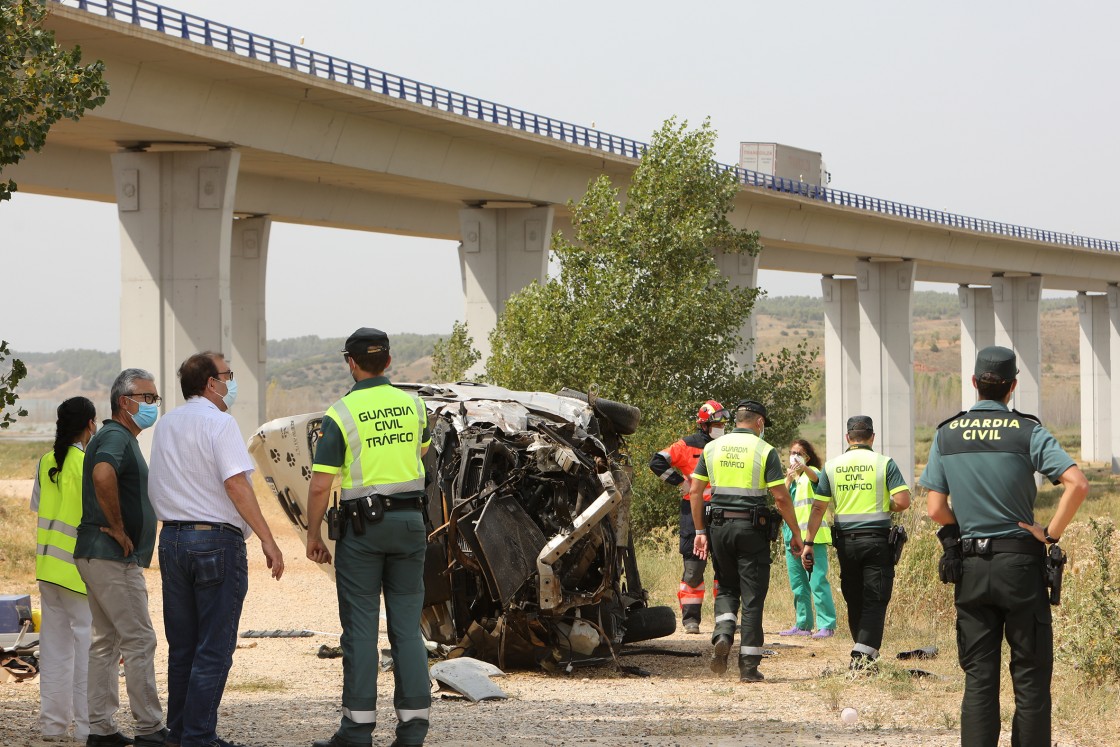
8, 383
641, 310
453, 357
40, 83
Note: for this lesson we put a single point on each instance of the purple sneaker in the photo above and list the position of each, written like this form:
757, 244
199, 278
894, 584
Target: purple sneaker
824, 633
796, 631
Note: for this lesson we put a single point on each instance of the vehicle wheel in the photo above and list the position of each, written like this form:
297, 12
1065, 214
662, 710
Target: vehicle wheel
647, 623
625, 418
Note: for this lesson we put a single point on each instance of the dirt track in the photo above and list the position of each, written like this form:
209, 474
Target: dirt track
280, 693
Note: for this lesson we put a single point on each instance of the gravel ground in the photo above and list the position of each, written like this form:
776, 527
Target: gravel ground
281, 693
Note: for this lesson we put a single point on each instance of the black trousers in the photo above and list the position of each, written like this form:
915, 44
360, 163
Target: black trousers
1004, 595
741, 554
867, 582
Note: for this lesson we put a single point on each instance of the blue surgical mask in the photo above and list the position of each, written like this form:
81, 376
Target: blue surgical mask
145, 416
231, 393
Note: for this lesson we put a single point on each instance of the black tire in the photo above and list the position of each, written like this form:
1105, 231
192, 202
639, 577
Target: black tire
625, 418
647, 623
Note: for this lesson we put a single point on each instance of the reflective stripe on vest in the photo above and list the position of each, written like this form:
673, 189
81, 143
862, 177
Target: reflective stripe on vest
859, 486
736, 464
803, 499
60, 512
384, 422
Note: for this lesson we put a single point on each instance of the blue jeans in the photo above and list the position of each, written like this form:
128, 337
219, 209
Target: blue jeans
205, 576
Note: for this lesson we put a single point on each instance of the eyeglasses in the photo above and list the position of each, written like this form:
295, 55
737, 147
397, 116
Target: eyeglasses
345, 355
149, 399
225, 373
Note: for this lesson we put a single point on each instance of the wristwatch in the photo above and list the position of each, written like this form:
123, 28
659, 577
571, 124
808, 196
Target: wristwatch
1050, 540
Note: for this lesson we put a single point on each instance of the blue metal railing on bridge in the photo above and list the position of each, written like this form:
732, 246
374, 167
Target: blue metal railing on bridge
264, 49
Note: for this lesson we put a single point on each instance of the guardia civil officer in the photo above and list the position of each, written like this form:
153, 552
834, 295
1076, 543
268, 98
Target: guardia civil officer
741, 469
865, 487
986, 459
374, 438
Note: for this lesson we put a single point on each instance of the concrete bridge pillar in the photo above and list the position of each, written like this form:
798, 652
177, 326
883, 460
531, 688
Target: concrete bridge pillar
841, 354
978, 331
887, 356
248, 337
741, 271
1113, 296
1096, 376
176, 213
502, 251
1015, 302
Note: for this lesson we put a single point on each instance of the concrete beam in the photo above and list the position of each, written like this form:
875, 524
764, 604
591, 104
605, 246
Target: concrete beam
1113, 297
1096, 377
977, 332
887, 357
502, 251
842, 359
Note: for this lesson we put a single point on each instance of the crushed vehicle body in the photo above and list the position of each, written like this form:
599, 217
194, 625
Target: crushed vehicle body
530, 560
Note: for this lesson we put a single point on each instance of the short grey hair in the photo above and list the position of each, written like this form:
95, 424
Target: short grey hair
122, 385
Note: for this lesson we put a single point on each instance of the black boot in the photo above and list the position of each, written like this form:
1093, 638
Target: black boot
719, 653
749, 673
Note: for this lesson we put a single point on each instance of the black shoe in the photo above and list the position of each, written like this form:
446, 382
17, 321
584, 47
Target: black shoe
219, 742
115, 739
337, 741
719, 653
155, 739
402, 744
750, 674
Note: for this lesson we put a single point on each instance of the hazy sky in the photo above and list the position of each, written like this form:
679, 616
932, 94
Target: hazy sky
1003, 111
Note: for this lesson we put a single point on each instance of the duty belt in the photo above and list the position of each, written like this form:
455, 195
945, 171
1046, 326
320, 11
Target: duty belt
860, 533
760, 518
974, 546
393, 503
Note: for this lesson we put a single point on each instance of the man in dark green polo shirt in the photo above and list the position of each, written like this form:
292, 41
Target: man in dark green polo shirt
114, 545
986, 459
374, 440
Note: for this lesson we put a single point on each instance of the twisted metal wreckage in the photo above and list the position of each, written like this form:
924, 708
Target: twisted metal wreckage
530, 559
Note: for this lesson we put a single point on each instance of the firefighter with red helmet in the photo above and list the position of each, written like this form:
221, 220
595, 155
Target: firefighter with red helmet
674, 465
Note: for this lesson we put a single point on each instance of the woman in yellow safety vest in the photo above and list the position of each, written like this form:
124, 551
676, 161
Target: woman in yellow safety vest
65, 627
809, 589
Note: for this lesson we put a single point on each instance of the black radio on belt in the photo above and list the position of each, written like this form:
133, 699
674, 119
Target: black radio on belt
334, 521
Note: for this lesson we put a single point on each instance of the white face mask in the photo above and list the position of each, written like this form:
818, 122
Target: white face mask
716, 431
795, 460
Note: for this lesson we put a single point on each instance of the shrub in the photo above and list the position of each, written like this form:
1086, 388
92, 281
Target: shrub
1089, 632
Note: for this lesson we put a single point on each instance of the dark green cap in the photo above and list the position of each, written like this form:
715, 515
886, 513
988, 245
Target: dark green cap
757, 408
861, 423
366, 340
997, 360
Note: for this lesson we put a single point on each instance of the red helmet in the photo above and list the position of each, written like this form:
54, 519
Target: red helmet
712, 412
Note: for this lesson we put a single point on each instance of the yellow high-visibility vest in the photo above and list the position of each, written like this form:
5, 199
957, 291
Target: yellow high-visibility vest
858, 479
736, 466
384, 427
60, 513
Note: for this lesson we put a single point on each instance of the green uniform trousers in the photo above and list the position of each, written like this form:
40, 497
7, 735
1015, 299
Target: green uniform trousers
1000, 595
866, 581
389, 556
811, 590
742, 554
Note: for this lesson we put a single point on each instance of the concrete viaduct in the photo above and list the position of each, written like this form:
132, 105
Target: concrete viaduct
210, 133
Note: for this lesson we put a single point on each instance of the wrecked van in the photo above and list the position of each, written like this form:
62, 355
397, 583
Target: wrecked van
530, 559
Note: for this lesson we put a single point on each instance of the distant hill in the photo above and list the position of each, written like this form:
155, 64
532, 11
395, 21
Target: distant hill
306, 374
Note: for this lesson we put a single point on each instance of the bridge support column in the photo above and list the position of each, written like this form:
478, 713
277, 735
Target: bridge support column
887, 356
176, 212
841, 354
1015, 301
741, 271
978, 331
1113, 296
248, 337
1096, 377
502, 251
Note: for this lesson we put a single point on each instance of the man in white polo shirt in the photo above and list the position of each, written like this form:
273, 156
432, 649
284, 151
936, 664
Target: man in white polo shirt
199, 485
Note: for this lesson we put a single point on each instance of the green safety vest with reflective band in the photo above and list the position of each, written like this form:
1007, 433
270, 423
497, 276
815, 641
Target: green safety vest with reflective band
60, 513
736, 465
858, 479
803, 499
384, 427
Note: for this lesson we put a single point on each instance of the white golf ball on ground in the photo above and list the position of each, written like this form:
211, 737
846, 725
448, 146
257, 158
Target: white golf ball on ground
849, 715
